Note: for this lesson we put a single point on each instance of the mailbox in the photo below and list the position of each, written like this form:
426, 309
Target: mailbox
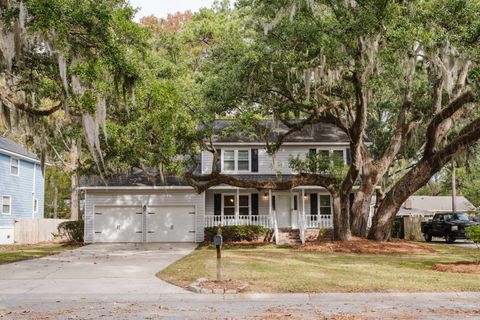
218, 240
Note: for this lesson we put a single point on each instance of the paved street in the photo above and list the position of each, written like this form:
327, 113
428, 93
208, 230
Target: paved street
118, 282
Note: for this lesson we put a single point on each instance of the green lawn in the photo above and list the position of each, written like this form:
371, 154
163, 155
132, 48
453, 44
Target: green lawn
274, 269
12, 253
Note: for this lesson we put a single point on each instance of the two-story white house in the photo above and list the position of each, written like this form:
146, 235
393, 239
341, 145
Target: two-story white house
133, 208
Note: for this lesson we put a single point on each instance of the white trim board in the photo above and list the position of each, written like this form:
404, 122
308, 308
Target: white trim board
138, 188
17, 155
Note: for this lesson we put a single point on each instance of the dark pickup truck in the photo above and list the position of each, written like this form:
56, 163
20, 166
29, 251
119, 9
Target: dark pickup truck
449, 225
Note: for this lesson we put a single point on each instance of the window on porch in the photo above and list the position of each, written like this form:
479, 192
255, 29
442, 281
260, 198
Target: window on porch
325, 207
229, 205
243, 205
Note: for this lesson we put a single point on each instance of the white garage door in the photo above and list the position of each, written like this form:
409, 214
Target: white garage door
171, 224
118, 224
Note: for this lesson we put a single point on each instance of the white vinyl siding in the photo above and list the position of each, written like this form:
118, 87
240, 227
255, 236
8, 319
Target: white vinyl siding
14, 166
7, 205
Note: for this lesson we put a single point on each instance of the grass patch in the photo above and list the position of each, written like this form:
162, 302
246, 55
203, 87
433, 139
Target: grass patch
18, 252
283, 269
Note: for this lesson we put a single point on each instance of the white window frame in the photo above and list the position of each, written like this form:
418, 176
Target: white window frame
249, 204
234, 204
12, 159
35, 205
320, 206
330, 152
237, 203
235, 160
9, 206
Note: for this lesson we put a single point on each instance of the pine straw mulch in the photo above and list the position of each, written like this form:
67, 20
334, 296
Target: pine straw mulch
364, 246
459, 267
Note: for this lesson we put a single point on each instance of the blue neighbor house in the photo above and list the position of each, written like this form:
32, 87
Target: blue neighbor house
21, 187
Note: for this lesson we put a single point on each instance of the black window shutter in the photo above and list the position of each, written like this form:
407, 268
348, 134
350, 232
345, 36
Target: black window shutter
198, 160
349, 156
254, 200
313, 203
217, 204
254, 157
312, 152
273, 202
219, 160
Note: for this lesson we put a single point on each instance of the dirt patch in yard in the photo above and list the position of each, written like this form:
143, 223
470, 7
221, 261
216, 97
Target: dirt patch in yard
364, 246
223, 284
459, 267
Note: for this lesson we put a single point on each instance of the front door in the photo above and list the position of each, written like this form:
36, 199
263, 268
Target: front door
283, 209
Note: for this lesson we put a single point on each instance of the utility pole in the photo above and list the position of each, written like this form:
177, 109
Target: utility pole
454, 189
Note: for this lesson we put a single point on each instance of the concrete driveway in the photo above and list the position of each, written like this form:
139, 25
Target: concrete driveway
95, 269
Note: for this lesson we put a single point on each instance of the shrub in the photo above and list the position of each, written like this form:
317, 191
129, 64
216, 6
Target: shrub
236, 233
72, 230
473, 232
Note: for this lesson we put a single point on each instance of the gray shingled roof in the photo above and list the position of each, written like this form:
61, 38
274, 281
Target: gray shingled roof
320, 132
139, 179
9, 145
428, 205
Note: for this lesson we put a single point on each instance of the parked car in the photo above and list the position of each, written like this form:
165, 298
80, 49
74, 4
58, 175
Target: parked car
449, 225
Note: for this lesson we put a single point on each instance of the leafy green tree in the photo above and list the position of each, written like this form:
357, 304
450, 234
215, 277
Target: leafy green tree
394, 71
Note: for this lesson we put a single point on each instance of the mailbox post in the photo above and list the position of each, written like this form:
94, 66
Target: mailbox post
218, 241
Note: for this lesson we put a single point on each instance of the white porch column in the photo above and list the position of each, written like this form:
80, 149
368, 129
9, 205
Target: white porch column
303, 201
270, 202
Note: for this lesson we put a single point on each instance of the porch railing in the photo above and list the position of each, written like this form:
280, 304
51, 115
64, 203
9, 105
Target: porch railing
318, 221
254, 220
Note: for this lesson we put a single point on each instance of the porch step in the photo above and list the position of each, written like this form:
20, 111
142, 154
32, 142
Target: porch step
289, 236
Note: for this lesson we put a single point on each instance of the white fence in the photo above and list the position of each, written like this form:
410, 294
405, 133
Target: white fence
35, 230
260, 220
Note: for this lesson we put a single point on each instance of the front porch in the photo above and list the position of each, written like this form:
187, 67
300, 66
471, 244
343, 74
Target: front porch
298, 209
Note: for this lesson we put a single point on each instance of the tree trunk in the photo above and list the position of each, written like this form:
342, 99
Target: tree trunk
74, 192
341, 217
412, 181
55, 202
361, 208
75, 198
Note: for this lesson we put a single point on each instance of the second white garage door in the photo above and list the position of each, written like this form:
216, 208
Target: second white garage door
171, 224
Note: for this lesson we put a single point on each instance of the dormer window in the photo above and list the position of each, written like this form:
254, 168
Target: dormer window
236, 160
14, 166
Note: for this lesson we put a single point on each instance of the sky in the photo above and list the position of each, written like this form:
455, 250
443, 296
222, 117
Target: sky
161, 8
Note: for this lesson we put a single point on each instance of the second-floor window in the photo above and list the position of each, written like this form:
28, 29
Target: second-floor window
14, 166
236, 160
332, 154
